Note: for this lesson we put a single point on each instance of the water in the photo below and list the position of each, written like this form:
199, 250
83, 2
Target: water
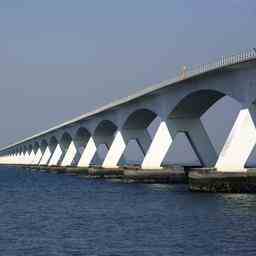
50, 214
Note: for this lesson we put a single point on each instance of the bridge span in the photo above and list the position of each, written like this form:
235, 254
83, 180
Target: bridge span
179, 103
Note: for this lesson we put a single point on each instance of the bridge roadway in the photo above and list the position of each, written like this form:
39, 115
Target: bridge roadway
179, 103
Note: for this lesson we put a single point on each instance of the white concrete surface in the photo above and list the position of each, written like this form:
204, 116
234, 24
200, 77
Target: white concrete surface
239, 144
70, 154
88, 154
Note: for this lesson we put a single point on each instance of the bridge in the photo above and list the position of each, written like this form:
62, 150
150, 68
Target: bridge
179, 103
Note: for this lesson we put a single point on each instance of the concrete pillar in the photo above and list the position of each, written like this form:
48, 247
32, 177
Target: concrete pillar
46, 156
121, 141
239, 144
158, 148
79, 152
31, 157
37, 157
165, 135
21, 158
56, 155
26, 157
115, 152
70, 154
17, 159
201, 143
88, 153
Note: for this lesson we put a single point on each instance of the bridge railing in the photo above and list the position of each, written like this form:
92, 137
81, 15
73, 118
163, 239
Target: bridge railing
223, 62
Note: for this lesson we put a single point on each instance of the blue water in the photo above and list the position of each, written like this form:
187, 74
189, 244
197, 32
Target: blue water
50, 214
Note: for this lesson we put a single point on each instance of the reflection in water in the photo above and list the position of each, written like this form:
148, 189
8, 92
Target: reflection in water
46, 214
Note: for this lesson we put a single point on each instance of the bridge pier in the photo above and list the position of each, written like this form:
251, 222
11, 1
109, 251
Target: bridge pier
31, 157
22, 158
120, 143
88, 154
239, 144
57, 152
37, 157
69, 154
165, 135
46, 156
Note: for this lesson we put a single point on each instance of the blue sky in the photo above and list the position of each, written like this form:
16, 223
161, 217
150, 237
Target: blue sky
59, 58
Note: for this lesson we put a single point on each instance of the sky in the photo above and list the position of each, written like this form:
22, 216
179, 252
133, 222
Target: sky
60, 58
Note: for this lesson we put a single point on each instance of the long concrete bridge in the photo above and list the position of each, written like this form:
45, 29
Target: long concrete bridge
179, 103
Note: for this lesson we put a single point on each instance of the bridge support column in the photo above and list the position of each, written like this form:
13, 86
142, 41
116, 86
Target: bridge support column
165, 135
239, 144
37, 157
23, 158
158, 148
70, 154
31, 157
57, 152
11, 159
17, 158
46, 156
77, 157
88, 153
120, 143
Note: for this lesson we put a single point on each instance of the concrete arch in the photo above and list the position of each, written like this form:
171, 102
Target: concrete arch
185, 117
62, 150
105, 128
19, 150
80, 140
196, 103
55, 150
102, 135
153, 105
45, 152
29, 147
24, 154
82, 135
36, 145
36, 153
139, 119
43, 144
134, 128
53, 142
24, 148
65, 139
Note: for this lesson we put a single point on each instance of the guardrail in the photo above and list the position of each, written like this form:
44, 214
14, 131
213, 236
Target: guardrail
223, 62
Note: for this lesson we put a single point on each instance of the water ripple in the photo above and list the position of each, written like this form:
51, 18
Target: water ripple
45, 214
